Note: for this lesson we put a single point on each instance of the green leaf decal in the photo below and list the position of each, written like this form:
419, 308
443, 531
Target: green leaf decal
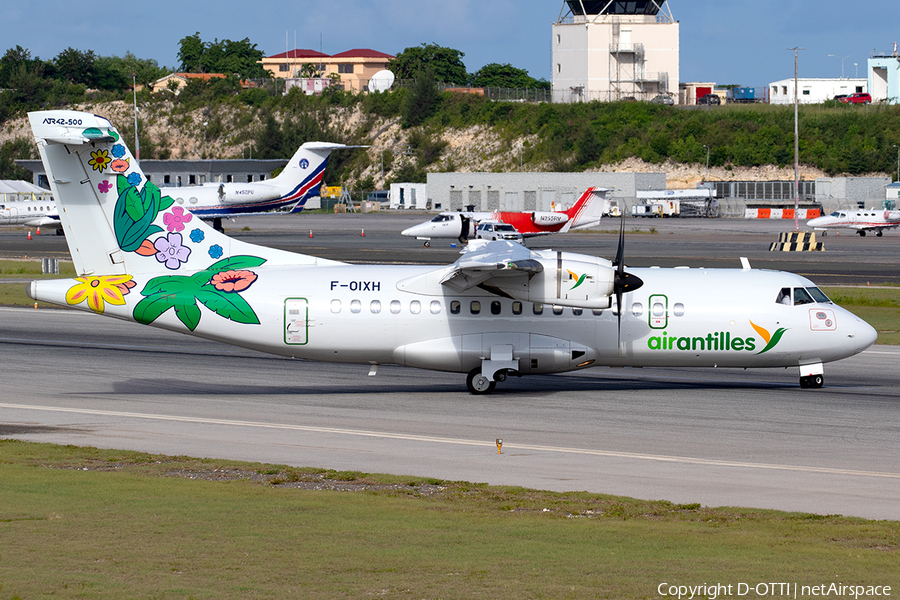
149, 309
228, 305
188, 312
236, 262
776, 337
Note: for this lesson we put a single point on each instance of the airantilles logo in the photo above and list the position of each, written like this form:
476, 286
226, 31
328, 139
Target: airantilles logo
718, 341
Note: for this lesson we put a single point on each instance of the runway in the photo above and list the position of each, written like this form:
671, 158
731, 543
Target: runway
718, 437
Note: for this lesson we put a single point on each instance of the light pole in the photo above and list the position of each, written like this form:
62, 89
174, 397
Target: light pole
796, 50
707, 162
137, 144
842, 62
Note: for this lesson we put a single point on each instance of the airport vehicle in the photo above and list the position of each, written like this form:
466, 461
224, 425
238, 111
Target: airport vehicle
489, 230
741, 95
709, 99
31, 213
663, 99
586, 212
298, 182
500, 310
857, 98
862, 221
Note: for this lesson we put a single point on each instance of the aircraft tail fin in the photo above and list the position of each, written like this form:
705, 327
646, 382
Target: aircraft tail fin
587, 211
115, 220
302, 176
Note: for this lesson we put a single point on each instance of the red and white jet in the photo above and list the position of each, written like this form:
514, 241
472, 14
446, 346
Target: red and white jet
586, 212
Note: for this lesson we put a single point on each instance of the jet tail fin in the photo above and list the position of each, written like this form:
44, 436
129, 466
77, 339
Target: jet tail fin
587, 211
302, 176
115, 220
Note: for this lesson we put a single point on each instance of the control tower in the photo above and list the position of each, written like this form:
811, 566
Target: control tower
612, 50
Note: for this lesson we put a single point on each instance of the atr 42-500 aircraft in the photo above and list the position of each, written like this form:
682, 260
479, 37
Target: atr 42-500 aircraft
862, 221
586, 212
298, 182
500, 310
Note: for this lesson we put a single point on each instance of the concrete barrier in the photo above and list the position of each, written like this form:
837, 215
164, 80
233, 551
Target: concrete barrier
797, 241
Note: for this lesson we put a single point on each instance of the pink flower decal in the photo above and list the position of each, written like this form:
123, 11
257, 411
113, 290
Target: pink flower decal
233, 281
175, 220
120, 165
170, 251
104, 186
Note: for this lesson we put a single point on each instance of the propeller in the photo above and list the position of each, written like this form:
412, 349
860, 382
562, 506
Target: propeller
623, 282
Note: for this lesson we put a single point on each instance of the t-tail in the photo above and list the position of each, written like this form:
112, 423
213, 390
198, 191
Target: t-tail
122, 232
587, 211
302, 176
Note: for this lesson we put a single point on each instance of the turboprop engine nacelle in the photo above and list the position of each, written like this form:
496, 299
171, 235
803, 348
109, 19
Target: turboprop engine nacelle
564, 279
547, 219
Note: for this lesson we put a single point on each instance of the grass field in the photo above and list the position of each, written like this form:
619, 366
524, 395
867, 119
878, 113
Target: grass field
87, 523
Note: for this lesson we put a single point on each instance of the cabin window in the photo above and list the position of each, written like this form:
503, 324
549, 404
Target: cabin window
658, 309
597, 312
375, 306
355, 306
435, 307
415, 307
784, 296
801, 296
557, 310
179, 200
678, 309
395, 307
637, 309
455, 307
517, 308
475, 307
577, 312
495, 307
537, 308
335, 306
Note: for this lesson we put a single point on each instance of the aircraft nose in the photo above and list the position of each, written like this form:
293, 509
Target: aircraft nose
864, 334
420, 229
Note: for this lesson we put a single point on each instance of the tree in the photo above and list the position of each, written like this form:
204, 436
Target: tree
504, 76
76, 66
423, 101
309, 70
446, 63
190, 52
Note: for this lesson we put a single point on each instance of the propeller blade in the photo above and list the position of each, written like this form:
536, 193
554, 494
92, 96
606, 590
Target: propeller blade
623, 282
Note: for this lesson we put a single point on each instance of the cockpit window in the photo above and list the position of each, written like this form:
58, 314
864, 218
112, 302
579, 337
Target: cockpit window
784, 296
442, 218
801, 296
818, 295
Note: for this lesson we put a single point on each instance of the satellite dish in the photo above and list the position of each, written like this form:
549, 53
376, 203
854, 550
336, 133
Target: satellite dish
381, 81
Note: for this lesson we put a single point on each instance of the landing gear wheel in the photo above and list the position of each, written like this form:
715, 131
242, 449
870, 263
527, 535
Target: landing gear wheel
478, 384
427, 244
862, 233
878, 234
813, 381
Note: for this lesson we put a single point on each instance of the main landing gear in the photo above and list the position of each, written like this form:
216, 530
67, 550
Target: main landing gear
479, 384
812, 381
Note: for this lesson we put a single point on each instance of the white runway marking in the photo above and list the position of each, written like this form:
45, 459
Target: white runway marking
460, 442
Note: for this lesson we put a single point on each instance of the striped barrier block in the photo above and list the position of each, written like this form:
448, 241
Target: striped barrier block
782, 213
797, 241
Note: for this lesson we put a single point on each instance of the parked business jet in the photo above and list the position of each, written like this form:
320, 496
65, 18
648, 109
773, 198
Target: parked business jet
862, 221
31, 213
500, 310
298, 182
586, 212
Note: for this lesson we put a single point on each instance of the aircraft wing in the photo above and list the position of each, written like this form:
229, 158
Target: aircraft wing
485, 261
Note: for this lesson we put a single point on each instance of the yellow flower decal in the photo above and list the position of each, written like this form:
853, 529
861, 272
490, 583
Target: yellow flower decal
98, 290
99, 160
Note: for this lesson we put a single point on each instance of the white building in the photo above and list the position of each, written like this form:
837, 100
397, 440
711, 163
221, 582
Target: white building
814, 91
614, 49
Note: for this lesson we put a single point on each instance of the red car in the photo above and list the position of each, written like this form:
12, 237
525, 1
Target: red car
858, 98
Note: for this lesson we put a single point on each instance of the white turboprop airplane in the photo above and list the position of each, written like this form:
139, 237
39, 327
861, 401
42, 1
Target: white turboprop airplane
862, 221
586, 212
500, 310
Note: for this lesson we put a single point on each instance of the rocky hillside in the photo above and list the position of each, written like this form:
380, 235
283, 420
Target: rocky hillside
227, 131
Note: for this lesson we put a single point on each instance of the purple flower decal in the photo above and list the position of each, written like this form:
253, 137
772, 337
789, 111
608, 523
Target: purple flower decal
170, 251
176, 219
104, 186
